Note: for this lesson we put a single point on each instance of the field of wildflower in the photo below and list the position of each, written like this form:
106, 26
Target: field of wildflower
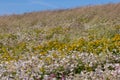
55, 54
64, 52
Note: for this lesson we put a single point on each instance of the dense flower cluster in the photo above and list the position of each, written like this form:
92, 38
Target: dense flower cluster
55, 55
96, 59
73, 66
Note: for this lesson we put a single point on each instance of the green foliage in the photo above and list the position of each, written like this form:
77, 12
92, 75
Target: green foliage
80, 67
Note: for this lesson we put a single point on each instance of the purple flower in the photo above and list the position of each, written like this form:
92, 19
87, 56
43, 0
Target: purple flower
63, 77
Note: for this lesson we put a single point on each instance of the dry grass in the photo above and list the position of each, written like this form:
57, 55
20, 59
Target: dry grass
108, 14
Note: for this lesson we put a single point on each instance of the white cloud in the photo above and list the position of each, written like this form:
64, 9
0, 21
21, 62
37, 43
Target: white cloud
39, 2
31, 2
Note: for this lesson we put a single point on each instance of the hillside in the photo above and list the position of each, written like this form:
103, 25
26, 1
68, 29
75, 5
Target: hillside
72, 44
108, 14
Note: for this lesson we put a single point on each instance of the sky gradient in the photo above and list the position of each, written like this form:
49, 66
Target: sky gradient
23, 6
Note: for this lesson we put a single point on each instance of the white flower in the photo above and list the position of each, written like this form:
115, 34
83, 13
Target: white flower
54, 79
46, 77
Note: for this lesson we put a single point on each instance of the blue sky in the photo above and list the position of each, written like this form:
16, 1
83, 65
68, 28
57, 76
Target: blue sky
23, 6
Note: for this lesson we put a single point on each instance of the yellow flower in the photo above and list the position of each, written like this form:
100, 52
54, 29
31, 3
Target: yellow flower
43, 53
116, 37
42, 69
54, 55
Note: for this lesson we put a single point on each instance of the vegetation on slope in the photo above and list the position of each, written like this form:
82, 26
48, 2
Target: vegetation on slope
61, 44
